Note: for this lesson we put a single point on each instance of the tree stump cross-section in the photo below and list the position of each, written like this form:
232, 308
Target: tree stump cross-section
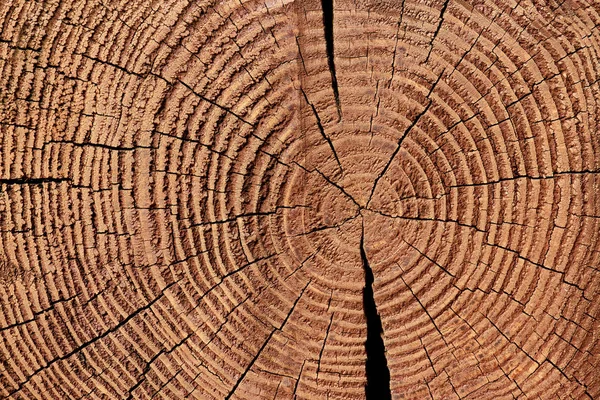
299, 199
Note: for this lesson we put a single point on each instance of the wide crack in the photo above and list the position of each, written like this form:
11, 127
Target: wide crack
378, 374
327, 6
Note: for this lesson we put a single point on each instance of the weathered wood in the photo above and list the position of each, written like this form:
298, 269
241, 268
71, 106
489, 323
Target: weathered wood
320, 199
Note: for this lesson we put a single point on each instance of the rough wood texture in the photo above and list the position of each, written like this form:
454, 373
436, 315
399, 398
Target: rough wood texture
299, 199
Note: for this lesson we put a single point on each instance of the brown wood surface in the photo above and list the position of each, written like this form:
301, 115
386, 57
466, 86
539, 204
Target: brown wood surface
194, 195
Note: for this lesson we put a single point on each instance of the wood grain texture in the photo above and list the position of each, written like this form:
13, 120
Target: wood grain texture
267, 199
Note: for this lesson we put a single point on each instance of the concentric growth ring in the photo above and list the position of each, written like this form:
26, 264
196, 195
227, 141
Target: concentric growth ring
299, 199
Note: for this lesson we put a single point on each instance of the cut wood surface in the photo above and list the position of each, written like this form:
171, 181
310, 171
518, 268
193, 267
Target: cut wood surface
310, 199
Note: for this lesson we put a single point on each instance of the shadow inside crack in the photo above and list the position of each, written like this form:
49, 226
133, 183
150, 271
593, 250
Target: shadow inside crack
378, 373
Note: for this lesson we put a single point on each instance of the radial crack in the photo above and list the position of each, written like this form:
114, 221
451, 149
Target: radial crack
389, 163
437, 30
264, 345
328, 28
214, 103
406, 132
328, 180
378, 374
32, 181
324, 344
322, 130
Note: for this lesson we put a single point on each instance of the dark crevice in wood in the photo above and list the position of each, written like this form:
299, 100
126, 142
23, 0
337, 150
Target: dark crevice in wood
378, 374
328, 28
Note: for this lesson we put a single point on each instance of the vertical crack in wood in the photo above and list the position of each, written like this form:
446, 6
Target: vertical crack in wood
327, 6
378, 374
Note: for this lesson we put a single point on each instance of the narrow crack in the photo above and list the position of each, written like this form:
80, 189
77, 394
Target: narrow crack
265, 343
406, 132
32, 181
378, 374
437, 30
322, 130
328, 180
397, 150
213, 102
324, 344
327, 6
96, 338
96, 145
